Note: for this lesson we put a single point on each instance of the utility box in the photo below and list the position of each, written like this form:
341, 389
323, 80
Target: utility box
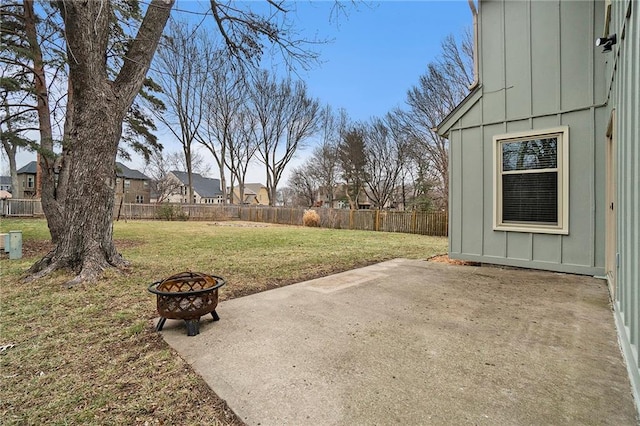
15, 244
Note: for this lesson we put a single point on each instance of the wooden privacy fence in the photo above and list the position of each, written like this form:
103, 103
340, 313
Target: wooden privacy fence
410, 222
19, 207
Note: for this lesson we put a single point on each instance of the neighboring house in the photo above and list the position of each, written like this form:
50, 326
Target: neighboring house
5, 183
544, 154
133, 184
323, 195
205, 190
340, 194
255, 194
26, 181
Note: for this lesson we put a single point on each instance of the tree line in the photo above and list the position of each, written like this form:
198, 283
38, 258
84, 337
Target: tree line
242, 117
393, 161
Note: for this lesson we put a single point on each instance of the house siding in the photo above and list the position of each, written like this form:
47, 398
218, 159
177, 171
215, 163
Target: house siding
26, 186
538, 70
137, 188
623, 76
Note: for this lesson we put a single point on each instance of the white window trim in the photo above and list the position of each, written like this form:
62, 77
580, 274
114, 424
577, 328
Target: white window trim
562, 227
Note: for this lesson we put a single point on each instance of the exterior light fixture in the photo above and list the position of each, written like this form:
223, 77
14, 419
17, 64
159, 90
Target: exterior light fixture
606, 42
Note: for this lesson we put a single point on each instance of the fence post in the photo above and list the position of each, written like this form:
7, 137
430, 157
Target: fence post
377, 220
413, 222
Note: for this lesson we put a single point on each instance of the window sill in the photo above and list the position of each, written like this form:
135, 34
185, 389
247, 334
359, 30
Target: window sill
539, 229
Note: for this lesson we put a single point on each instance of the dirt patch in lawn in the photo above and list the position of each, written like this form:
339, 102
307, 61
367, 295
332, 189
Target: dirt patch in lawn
243, 224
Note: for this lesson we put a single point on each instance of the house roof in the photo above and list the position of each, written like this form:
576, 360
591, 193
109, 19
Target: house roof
123, 171
5, 180
251, 191
204, 187
465, 105
29, 168
253, 187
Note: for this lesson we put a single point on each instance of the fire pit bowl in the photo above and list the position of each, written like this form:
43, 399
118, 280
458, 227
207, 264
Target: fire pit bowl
187, 296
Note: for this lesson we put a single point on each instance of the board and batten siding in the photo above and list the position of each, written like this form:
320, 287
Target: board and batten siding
538, 69
623, 77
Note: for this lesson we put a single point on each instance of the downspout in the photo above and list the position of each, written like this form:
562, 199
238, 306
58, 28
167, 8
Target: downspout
474, 13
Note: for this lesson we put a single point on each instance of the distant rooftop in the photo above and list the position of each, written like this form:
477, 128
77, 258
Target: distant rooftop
205, 187
29, 168
123, 171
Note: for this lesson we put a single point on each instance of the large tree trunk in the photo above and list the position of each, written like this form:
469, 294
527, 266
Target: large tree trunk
85, 243
81, 215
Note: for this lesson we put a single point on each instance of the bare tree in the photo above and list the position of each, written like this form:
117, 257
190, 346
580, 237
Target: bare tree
182, 67
304, 185
385, 156
286, 197
228, 125
437, 93
199, 163
101, 90
242, 149
325, 156
222, 99
318, 175
157, 168
285, 117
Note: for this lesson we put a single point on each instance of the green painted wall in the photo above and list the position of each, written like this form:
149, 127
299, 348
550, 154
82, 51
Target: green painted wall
538, 69
623, 76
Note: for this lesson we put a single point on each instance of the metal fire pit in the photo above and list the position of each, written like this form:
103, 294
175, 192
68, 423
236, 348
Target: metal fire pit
187, 296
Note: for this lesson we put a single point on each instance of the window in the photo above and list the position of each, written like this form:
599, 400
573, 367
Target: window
531, 181
139, 199
127, 183
30, 182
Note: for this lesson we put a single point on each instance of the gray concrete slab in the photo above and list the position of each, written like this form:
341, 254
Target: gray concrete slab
415, 342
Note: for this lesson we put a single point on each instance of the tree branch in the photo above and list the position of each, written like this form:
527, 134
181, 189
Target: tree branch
138, 58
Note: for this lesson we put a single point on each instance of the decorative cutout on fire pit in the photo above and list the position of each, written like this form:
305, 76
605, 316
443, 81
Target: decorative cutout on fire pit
187, 296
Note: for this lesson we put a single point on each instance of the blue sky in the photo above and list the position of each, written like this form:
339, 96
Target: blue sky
378, 51
376, 54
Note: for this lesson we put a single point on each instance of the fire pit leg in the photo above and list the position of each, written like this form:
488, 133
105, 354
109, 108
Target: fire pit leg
160, 324
193, 327
215, 316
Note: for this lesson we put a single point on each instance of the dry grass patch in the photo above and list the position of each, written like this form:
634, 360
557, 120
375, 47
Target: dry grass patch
90, 355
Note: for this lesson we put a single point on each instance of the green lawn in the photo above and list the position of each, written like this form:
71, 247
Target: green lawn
90, 355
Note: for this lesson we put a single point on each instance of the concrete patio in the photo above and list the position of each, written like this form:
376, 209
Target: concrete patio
416, 342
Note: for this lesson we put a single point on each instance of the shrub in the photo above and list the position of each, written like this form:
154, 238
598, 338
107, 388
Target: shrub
311, 218
170, 212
